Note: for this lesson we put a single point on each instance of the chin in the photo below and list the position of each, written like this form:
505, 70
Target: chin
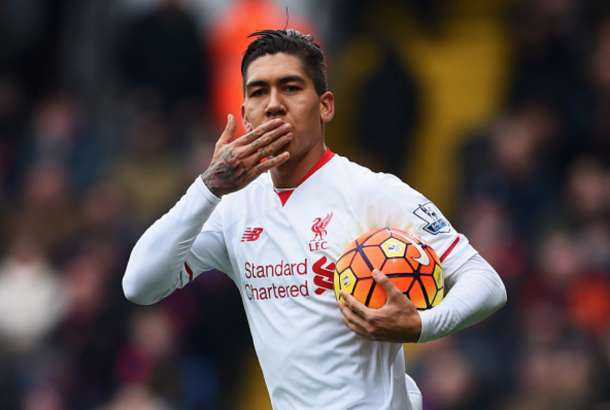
285, 148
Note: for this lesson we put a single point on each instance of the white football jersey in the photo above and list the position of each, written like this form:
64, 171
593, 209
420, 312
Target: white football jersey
280, 247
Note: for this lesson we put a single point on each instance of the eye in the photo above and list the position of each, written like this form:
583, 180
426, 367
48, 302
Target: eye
291, 88
257, 93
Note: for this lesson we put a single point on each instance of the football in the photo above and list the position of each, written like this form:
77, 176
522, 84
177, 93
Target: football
405, 258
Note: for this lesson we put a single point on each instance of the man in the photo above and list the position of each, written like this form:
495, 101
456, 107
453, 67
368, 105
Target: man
260, 222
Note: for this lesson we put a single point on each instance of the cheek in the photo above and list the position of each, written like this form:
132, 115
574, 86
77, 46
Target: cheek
251, 122
253, 112
313, 117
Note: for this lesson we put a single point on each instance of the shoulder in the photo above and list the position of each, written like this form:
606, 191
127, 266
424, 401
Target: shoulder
343, 169
340, 163
359, 177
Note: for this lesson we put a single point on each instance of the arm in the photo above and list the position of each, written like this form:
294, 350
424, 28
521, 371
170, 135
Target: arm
155, 265
475, 292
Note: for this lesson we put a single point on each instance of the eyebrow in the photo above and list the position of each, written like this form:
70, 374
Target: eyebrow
283, 80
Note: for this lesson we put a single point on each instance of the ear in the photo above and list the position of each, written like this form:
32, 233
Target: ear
245, 122
327, 106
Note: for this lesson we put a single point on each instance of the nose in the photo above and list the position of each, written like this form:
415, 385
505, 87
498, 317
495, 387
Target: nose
275, 105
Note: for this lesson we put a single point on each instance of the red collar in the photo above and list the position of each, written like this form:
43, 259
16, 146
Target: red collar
285, 194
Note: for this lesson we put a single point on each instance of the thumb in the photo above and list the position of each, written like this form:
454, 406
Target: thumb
229, 131
386, 284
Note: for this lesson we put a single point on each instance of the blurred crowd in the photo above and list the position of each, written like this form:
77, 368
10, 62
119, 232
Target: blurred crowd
108, 111
534, 199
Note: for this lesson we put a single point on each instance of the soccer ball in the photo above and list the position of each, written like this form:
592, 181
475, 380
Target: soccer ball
405, 258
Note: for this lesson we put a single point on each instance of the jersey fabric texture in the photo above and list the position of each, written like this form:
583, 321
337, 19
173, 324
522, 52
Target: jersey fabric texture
279, 248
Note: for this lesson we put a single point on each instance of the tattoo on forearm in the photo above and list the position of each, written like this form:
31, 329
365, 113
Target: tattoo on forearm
227, 172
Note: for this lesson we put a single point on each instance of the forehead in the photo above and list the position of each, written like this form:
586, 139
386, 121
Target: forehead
276, 66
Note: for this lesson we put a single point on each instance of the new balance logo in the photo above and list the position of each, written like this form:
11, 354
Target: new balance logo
251, 234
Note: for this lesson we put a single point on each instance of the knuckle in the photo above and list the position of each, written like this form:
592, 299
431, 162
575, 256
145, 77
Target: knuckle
263, 152
372, 331
373, 319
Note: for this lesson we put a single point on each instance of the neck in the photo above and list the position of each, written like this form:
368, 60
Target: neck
292, 172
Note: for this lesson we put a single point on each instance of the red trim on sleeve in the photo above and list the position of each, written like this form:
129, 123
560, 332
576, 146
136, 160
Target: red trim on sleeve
448, 251
189, 271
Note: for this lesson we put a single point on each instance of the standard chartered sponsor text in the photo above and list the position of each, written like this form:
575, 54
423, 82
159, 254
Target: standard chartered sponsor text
275, 290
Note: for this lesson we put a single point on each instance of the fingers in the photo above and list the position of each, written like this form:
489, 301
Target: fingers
229, 131
273, 147
262, 142
386, 284
353, 321
397, 321
272, 162
356, 316
264, 145
269, 142
259, 131
226, 137
236, 162
358, 307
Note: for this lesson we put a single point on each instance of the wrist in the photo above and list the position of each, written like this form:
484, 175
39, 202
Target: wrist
216, 191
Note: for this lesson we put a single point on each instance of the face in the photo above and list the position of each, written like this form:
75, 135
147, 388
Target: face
278, 87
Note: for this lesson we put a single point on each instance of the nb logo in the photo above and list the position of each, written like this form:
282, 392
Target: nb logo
251, 234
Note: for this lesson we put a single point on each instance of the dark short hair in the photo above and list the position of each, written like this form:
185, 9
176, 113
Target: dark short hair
288, 41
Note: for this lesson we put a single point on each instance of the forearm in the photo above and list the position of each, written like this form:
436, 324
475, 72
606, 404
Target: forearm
476, 293
153, 270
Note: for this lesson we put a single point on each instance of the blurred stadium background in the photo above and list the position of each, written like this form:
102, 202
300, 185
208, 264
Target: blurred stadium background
498, 110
